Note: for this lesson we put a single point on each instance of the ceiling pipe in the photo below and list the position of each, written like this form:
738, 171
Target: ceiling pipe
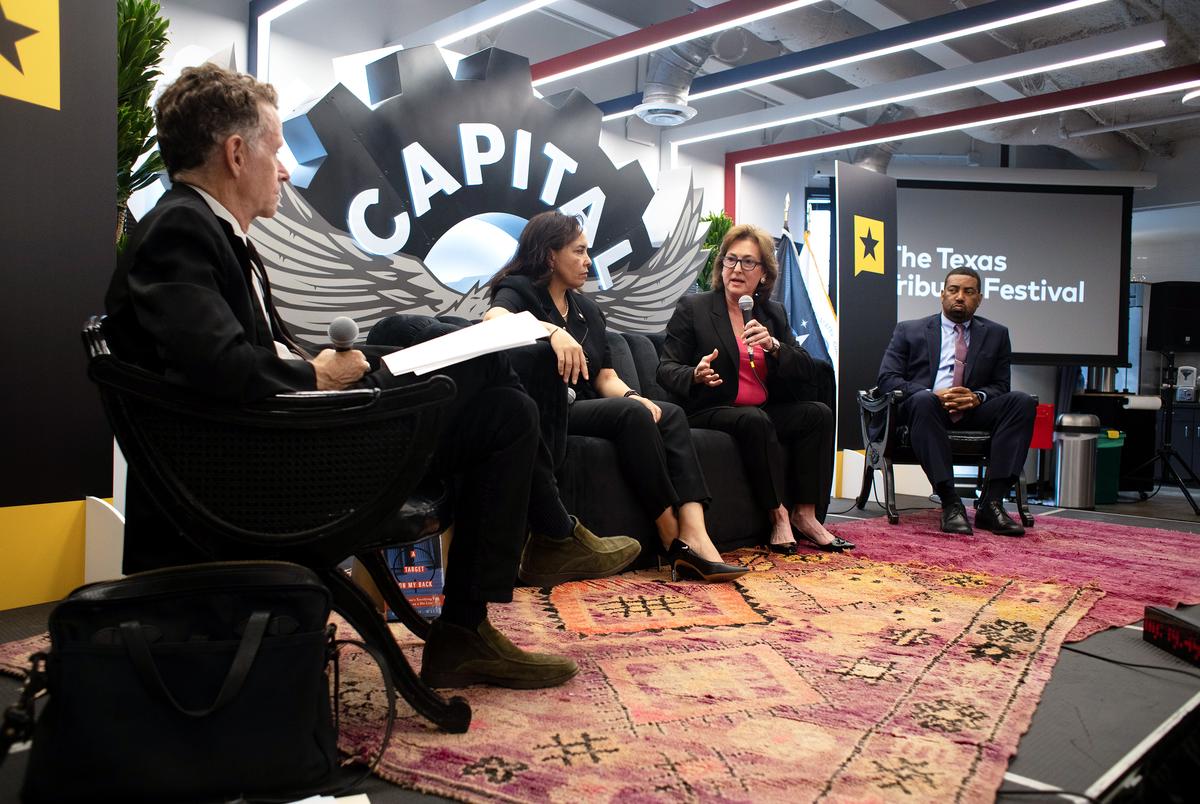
1157, 83
669, 75
807, 28
1157, 121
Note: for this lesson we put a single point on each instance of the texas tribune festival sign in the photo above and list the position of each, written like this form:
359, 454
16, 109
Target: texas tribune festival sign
410, 204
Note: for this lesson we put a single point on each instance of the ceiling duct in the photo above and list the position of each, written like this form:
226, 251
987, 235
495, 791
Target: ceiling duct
807, 27
877, 157
669, 76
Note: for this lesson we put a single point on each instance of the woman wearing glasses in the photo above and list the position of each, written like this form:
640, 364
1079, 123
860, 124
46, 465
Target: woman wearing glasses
653, 440
748, 378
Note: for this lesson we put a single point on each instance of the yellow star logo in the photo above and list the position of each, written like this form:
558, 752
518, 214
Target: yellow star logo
868, 245
29, 51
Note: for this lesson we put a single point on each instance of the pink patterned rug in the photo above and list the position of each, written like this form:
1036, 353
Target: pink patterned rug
814, 678
1134, 566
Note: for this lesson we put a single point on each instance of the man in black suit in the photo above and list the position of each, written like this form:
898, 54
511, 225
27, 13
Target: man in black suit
190, 300
954, 368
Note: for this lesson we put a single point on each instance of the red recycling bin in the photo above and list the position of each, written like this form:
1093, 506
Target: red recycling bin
1043, 428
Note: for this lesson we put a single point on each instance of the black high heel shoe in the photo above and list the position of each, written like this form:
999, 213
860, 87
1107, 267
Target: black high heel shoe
838, 545
679, 555
782, 548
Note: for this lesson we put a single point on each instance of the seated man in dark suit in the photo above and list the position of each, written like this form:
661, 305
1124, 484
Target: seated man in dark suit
190, 300
955, 369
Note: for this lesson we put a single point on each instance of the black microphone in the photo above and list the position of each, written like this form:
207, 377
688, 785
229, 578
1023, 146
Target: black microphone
747, 305
343, 332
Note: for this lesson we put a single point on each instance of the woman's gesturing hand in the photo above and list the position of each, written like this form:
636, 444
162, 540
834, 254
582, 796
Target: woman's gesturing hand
571, 360
703, 374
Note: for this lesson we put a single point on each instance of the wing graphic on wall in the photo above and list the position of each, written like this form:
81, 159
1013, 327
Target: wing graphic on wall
642, 300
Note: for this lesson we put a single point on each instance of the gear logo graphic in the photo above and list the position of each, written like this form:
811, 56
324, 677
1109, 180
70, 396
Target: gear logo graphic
408, 205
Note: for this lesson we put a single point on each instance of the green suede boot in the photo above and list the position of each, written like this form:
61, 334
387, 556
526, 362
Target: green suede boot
459, 657
583, 556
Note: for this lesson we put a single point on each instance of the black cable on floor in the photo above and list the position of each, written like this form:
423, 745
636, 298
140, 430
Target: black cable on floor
1140, 499
1185, 672
1084, 796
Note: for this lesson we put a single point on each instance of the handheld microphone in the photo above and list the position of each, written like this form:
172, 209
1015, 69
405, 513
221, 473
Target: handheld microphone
570, 396
746, 303
343, 332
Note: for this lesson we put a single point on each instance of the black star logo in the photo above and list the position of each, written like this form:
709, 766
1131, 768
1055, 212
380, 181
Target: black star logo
869, 244
11, 33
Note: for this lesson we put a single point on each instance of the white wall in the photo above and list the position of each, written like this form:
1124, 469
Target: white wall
198, 28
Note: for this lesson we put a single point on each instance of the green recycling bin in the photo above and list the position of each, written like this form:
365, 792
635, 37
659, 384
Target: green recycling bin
1108, 466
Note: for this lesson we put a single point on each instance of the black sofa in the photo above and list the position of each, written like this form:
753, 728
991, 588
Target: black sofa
590, 481
594, 489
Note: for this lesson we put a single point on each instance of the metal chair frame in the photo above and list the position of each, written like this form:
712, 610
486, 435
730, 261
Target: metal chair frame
886, 444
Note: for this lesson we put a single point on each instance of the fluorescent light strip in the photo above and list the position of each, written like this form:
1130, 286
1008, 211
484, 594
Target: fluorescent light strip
492, 22
1191, 96
674, 40
629, 102
977, 123
263, 58
919, 43
991, 79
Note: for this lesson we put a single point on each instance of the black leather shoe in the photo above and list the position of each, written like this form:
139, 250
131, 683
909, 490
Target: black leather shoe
838, 545
954, 520
992, 516
684, 561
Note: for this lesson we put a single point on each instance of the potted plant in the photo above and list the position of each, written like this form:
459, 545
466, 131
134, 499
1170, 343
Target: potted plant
141, 38
718, 225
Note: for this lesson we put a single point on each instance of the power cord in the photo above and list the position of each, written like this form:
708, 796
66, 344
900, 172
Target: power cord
1149, 496
1064, 793
1180, 670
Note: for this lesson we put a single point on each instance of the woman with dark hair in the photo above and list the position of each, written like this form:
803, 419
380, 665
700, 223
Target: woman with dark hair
653, 441
748, 378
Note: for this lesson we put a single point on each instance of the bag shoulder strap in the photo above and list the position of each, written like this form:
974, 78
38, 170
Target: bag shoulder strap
17, 726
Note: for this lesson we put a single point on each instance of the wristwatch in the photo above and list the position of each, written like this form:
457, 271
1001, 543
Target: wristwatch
774, 346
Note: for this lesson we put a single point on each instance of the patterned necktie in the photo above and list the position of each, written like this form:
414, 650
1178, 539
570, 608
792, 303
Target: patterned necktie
274, 325
960, 362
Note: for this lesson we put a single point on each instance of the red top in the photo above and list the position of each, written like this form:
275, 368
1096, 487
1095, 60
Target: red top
752, 382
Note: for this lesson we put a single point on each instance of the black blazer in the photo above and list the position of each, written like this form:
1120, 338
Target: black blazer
518, 294
700, 324
911, 359
180, 305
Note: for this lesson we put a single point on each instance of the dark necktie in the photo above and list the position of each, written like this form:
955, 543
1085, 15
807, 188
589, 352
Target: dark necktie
274, 326
960, 362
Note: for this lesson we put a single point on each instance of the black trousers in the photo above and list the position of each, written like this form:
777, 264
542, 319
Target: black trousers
658, 459
1009, 416
533, 366
786, 448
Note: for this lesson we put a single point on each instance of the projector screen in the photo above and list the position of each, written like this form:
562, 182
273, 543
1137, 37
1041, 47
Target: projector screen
1054, 262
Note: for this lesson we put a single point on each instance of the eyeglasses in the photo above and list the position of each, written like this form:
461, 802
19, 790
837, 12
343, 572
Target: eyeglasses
748, 265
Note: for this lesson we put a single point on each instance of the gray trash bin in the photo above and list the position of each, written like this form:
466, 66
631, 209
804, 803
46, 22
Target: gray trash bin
1075, 436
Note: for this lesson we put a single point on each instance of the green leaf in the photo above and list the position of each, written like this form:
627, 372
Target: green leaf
718, 225
141, 39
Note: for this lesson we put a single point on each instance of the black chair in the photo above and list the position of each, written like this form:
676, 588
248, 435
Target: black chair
310, 478
887, 443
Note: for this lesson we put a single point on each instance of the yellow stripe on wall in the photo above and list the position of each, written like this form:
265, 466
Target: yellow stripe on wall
42, 547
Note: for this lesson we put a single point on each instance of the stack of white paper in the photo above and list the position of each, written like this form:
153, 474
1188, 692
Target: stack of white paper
502, 332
